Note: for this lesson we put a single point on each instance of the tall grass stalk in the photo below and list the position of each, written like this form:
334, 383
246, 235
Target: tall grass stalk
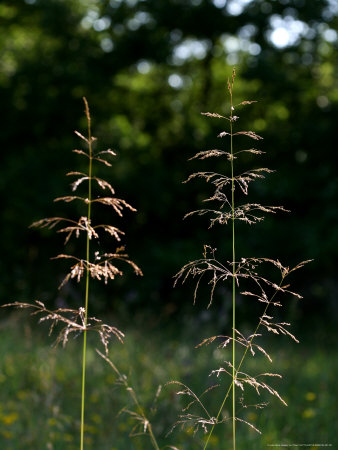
232, 384
84, 351
233, 270
242, 271
139, 414
100, 266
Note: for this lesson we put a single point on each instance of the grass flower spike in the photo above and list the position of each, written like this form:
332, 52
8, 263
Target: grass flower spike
104, 266
239, 271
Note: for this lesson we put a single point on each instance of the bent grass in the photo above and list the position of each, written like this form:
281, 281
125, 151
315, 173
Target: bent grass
239, 271
243, 271
100, 266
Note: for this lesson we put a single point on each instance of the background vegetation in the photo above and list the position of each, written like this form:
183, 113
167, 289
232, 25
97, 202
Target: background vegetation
148, 68
40, 392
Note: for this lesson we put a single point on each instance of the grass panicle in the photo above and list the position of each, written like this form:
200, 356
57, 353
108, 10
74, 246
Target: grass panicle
100, 265
238, 271
234, 378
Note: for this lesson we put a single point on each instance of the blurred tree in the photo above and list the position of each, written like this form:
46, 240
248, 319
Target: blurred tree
148, 68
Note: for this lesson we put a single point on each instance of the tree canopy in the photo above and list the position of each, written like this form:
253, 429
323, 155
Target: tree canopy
148, 68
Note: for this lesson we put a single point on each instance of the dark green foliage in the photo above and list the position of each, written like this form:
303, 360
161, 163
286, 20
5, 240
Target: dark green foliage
51, 57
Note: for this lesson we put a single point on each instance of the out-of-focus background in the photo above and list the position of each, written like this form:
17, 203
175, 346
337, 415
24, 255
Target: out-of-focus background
148, 69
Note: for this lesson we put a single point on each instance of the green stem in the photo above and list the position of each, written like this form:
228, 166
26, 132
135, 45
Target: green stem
123, 379
234, 372
241, 362
142, 413
233, 283
152, 437
87, 276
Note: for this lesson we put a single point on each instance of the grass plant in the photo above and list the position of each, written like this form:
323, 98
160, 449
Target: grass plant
95, 265
246, 278
230, 396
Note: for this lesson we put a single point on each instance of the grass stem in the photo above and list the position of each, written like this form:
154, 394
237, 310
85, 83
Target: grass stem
233, 280
87, 276
240, 364
124, 380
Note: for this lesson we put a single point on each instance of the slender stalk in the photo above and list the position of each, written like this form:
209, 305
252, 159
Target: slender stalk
233, 282
234, 372
240, 364
87, 275
124, 380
